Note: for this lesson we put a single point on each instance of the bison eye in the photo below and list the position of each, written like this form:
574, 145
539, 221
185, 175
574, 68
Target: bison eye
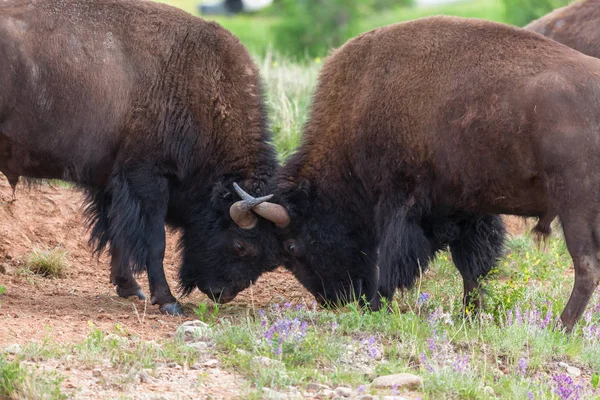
239, 248
290, 247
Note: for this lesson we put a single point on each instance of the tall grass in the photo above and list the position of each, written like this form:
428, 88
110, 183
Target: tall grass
289, 89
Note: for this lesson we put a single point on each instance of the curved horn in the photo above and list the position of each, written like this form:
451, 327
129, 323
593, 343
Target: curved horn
275, 213
241, 211
242, 215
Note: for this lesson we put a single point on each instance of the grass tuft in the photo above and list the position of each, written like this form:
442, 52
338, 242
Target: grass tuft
50, 263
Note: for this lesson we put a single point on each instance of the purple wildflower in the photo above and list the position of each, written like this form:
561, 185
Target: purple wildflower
424, 362
432, 346
334, 326
395, 389
529, 396
299, 307
360, 389
423, 298
373, 352
518, 316
285, 330
287, 306
461, 364
565, 387
509, 318
522, 366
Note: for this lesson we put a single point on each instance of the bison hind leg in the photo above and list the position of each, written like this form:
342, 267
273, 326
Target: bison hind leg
136, 227
121, 275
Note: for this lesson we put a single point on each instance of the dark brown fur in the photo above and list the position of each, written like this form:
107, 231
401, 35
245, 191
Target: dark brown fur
156, 113
576, 25
421, 126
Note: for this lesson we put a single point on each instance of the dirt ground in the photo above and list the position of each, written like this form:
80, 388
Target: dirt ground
35, 307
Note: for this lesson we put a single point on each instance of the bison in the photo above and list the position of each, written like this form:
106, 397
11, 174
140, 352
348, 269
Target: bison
157, 115
576, 25
420, 134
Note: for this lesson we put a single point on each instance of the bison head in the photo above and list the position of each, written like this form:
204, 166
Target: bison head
230, 243
328, 250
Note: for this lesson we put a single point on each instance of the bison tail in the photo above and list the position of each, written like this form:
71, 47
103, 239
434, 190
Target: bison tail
542, 231
96, 212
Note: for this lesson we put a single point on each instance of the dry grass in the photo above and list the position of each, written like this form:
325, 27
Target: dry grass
50, 263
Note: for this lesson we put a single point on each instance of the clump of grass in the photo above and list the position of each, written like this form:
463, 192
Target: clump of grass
16, 382
51, 263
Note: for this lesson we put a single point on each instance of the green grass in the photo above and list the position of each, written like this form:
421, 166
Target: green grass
511, 349
492, 10
255, 30
51, 263
19, 382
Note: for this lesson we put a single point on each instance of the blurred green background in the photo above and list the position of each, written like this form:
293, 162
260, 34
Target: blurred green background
309, 28
290, 38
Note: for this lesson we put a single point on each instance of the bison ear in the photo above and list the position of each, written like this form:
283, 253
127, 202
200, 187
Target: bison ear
221, 197
304, 187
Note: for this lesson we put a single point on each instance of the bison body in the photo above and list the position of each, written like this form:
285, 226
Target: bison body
156, 114
576, 25
420, 134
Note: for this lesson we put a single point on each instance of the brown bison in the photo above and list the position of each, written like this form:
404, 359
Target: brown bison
156, 114
420, 134
576, 25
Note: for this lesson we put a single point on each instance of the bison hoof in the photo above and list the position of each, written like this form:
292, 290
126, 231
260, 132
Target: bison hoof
174, 309
132, 291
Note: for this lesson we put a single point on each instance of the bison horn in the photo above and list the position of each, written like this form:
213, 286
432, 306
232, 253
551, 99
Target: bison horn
241, 211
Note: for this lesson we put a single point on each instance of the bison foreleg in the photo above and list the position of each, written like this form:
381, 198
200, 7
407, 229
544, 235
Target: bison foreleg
475, 252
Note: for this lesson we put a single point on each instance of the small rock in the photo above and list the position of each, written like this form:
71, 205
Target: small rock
8, 257
489, 391
574, 372
143, 377
326, 394
262, 361
198, 346
316, 387
211, 364
403, 380
174, 365
242, 352
194, 331
196, 366
369, 397
563, 364
12, 349
97, 373
3, 268
343, 391
273, 395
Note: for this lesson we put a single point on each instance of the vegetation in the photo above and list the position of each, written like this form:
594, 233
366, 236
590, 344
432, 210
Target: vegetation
522, 12
260, 32
51, 263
